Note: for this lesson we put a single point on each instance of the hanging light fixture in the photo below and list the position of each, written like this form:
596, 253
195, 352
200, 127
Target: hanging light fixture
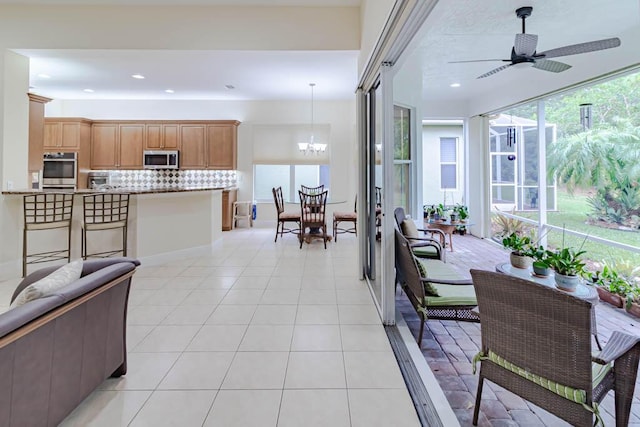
585, 117
312, 147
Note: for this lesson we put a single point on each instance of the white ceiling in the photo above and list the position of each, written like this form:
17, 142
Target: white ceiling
460, 30
456, 30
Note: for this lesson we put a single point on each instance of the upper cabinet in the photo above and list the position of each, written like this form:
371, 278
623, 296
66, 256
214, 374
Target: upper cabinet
117, 146
193, 146
63, 134
161, 136
222, 146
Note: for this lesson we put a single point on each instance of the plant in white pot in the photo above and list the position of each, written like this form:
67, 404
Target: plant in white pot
520, 248
540, 257
568, 265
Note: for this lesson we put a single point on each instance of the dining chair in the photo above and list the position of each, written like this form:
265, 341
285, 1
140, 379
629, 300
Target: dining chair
350, 217
284, 217
312, 190
313, 217
536, 343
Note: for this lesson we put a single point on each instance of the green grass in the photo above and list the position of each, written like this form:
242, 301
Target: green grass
572, 214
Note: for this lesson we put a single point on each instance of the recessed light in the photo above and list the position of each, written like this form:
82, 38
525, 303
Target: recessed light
137, 76
455, 85
44, 76
170, 91
230, 87
89, 90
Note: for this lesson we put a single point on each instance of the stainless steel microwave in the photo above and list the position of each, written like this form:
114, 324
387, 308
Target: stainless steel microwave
165, 159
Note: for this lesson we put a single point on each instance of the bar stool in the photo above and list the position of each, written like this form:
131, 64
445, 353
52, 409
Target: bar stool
105, 212
46, 212
242, 210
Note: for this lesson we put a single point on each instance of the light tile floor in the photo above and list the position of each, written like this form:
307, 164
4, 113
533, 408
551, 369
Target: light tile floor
255, 334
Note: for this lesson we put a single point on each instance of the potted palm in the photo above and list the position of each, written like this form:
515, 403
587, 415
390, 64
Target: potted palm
520, 248
567, 265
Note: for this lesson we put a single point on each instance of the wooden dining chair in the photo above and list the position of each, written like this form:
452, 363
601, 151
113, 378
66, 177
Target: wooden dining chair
350, 217
313, 216
312, 190
284, 217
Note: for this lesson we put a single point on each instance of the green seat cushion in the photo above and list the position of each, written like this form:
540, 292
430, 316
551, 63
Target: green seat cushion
452, 295
429, 289
598, 372
425, 251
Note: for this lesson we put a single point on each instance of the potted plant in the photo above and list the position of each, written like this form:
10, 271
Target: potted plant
439, 212
540, 258
520, 247
632, 305
461, 211
612, 287
567, 265
429, 211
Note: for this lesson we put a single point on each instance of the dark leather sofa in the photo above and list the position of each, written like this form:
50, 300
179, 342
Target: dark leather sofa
54, 351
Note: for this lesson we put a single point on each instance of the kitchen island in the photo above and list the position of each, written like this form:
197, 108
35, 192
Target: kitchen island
164, 223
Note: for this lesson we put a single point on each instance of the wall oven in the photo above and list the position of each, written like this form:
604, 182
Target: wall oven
60, 170
165, 159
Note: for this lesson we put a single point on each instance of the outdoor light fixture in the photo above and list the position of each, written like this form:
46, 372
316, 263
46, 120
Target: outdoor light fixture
585, 116
511, 136
312, 147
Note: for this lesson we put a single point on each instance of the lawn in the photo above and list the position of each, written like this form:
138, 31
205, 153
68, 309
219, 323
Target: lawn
572, 214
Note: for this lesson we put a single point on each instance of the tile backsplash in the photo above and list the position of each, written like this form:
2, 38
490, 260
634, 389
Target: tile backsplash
154, 178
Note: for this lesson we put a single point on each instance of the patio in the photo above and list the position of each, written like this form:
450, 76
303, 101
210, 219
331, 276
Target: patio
449, 346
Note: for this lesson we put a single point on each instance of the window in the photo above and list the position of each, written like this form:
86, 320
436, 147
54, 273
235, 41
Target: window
289, 177
402, 157
448, 163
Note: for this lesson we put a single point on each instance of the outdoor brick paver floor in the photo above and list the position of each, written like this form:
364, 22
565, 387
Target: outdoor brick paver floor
449, 346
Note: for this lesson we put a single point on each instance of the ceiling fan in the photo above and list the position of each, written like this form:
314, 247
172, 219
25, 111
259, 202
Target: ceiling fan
523, 52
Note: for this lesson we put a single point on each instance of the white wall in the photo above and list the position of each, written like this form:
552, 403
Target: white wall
373, 16
338, 116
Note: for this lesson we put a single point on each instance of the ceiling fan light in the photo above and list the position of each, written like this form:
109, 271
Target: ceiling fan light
524, 64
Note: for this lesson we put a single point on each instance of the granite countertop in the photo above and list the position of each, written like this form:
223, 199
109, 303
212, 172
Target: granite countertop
136, 190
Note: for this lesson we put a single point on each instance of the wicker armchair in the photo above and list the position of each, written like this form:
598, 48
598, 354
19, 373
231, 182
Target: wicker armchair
434, 288
284, 217
423, 247
536, 343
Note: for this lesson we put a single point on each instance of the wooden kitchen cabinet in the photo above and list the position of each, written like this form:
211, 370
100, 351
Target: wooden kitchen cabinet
131, 145
161, 137
104, 145
228, 198
63, 134
222, 146
193, 146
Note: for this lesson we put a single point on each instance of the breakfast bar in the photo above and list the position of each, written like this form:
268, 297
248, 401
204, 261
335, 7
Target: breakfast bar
162, 222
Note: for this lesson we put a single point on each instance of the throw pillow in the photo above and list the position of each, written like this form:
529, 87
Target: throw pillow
429, 289
409, 229
48, 285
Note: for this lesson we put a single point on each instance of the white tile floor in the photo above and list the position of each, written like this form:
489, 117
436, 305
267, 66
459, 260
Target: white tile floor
256, 334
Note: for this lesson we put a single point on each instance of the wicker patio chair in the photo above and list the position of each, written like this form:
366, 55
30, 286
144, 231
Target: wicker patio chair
423, 246
434, 288
536, 343
284, 217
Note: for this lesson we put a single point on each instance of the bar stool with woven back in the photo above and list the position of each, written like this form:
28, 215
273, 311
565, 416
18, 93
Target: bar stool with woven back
105, 212
46, 212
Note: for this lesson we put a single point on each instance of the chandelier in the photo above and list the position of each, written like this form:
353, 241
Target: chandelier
311, 147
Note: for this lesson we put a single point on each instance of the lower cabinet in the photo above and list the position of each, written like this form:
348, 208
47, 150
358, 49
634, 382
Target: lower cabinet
228, 198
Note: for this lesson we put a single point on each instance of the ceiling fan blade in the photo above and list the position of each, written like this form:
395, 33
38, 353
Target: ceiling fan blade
549, 65
479, 60
575, 49
525, 44
495, 70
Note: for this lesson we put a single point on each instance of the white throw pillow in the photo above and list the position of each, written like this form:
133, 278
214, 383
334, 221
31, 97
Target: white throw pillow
409, 229
48, 285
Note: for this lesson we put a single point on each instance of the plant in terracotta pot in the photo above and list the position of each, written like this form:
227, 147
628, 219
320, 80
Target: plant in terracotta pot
520, 248
612, 286
567, 265
633, 301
